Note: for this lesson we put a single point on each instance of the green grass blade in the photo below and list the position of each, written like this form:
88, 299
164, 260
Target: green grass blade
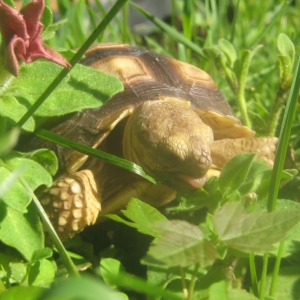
284, 138
110, 15
114, 160
171, 32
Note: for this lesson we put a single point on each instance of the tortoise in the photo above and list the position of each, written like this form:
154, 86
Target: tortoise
171, 119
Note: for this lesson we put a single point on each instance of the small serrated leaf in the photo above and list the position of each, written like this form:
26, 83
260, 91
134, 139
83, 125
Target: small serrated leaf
180, 244
252, 232
142, 216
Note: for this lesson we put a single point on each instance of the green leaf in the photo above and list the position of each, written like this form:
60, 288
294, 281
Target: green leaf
18, 197
252, 232
180, 244
41, 273
46, 158
258, 178
235, 172
83, 88
229, 51
49, 32
21, 231
142, 216
87, 288
14, 110
22, 292
8, 140
46, 18
286, 47
219, 290
41, 254
110, 267
286, 59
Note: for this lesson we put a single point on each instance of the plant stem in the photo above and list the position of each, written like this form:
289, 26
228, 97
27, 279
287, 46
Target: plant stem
183, 283
275, 112
193, 281
110, 15
253, 274
276, 270
262, 287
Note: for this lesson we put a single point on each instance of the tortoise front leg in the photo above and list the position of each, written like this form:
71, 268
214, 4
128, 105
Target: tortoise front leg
72, 203
224, 150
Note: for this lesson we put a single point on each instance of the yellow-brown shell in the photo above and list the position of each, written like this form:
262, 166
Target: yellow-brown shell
146, 76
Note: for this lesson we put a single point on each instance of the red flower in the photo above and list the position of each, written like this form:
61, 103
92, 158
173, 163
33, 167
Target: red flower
21, 36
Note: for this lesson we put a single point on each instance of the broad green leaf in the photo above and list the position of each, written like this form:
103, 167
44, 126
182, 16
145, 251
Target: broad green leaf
41, 273
253, 232
219, 290
142, 216
14, 110
8, 140
229, 51
18, 197
123, 280
46, 158
18, 271
235, 172
87, 288
22, 292
21, 231
41, 254
83, 88
110, 267
180, 244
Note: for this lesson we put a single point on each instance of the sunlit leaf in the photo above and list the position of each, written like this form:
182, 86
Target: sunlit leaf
21, 231
142, 216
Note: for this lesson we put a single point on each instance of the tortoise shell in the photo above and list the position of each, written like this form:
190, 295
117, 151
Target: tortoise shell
146, 76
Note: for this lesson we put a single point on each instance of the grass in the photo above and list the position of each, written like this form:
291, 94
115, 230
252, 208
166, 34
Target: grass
251, 49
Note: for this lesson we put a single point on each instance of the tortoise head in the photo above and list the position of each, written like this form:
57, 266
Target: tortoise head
169, 140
